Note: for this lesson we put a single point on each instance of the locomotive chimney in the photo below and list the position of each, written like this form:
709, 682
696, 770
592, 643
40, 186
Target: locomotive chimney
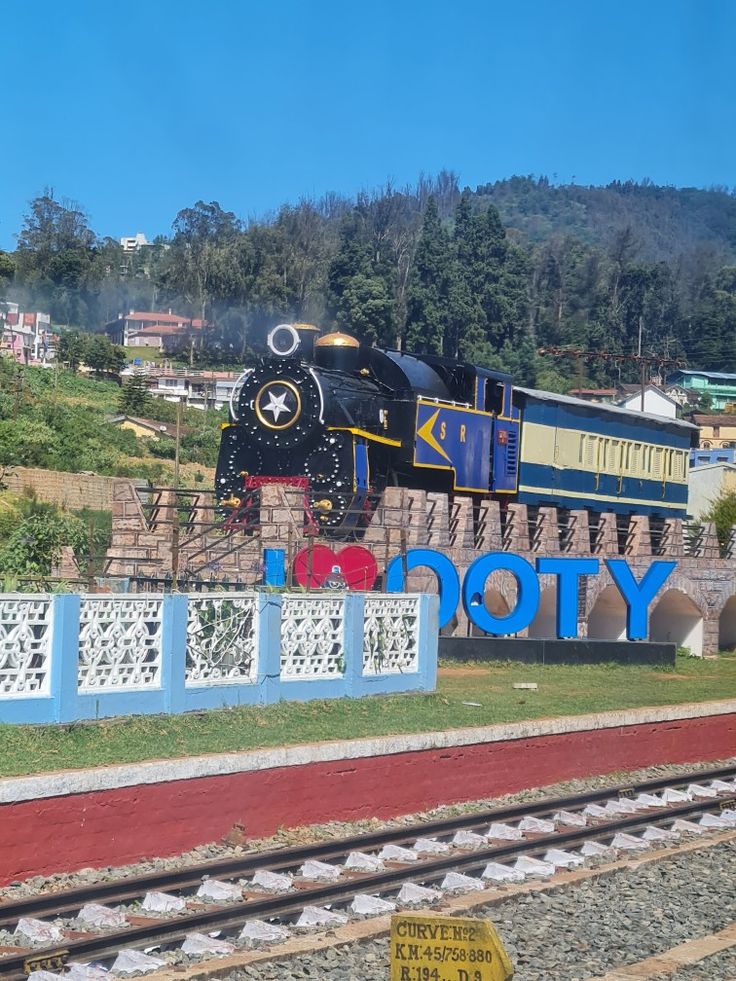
308, 335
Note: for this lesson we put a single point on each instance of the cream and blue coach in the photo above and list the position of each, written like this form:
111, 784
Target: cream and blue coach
576, 454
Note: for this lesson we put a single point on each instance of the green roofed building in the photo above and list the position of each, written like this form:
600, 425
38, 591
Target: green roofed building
719, 385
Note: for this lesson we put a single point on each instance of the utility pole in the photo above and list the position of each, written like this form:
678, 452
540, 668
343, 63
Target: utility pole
643, 360
178, 444
642, 366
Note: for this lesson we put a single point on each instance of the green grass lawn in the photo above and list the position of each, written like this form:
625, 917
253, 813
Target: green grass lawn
562, 691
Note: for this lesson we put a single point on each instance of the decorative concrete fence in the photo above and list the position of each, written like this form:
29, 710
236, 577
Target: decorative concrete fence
69, 657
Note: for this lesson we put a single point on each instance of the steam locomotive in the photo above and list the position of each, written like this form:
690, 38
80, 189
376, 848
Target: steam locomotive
343, 421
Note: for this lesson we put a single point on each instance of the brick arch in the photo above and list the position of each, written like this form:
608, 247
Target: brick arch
606, 617
677, 580
676, 618
681, 583
726, 594
727, 623
594, 588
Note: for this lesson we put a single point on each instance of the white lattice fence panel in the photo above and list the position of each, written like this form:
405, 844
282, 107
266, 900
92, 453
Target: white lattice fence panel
221, 640
312, 637
25, 645
391, 635
120, 643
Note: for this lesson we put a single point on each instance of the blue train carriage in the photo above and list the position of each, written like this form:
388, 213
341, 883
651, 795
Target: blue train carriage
475, 441
577, 454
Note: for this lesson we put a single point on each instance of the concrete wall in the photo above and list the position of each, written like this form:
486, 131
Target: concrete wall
97, 657
114, 815
706, 484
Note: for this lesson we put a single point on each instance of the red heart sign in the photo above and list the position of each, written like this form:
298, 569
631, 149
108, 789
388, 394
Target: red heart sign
353, 565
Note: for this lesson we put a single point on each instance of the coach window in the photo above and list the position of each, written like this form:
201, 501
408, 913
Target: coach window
590, 454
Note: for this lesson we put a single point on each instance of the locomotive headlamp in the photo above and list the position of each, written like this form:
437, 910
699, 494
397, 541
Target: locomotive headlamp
283, 340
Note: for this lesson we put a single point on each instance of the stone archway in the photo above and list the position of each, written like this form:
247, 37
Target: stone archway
607, 617
677, 620
727, 626
544, 624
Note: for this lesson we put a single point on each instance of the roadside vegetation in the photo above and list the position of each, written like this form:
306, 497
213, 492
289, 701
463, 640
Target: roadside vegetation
467, 695
723, 513
33, 534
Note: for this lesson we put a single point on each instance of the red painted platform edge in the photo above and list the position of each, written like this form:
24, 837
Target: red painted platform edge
127, 824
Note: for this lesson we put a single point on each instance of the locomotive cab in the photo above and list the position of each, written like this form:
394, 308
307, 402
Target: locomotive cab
473, 435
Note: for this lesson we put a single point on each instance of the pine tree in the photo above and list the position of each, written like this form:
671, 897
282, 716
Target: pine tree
134, 396
707, 329
492, 278
428, 306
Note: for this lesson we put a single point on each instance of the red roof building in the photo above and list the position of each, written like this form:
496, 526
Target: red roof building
168, 332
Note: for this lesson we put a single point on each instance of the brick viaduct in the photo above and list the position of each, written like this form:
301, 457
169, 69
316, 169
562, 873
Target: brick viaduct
695, 609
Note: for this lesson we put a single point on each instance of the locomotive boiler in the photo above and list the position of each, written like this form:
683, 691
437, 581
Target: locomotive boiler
344, 420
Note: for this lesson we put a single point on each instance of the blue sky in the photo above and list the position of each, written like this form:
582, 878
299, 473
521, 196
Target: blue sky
139, 108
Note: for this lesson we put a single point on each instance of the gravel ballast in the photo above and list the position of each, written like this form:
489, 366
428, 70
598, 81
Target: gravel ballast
715, 968
578, 931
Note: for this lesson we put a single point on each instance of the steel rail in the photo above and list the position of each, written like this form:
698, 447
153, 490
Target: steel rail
129, 888
174, 929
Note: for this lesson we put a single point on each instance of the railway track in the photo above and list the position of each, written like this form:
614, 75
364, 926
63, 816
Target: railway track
480, 846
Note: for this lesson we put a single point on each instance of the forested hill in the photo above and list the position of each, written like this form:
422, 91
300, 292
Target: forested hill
667, 222
489, 275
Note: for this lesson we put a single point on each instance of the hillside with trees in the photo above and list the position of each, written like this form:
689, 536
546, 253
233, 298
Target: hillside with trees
58, 420
489, 275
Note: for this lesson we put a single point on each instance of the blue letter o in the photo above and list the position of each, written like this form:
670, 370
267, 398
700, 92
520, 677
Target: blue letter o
447, 578
527, 602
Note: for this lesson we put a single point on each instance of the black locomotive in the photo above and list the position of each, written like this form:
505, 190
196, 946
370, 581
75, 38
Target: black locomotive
343, 420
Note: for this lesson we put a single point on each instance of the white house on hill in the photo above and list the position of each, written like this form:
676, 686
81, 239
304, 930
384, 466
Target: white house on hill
656, 403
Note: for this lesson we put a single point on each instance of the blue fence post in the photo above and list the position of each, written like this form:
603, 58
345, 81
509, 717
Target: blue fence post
174, 650
353, 643
268, 611
428, 640
63, 681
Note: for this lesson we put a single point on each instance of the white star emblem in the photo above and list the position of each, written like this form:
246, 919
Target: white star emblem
276, 405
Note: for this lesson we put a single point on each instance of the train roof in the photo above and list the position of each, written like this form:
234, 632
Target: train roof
614, 410
436, 360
